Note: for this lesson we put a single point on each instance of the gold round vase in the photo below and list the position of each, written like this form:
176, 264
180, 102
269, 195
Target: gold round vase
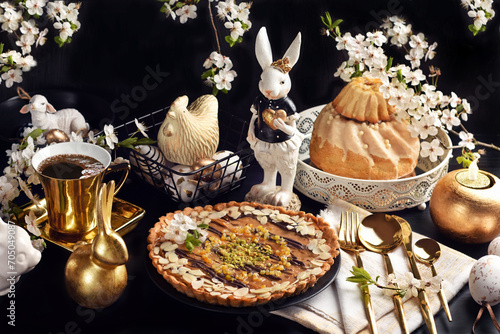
467, 211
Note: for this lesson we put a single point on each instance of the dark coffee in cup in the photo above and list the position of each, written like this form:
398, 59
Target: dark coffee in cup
70, 166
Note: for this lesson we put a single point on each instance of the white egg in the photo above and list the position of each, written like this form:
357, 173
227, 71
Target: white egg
484, 280
494, 247
151, 163
231, 167
181, 184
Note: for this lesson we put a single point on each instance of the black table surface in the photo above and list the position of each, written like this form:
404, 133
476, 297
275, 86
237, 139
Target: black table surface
43, 305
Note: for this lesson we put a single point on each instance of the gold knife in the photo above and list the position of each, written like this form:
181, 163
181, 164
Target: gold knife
422, 296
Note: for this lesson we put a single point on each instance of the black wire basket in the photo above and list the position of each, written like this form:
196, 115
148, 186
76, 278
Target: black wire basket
193, 187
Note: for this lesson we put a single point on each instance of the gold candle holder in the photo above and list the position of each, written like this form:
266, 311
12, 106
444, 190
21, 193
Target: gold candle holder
467, 210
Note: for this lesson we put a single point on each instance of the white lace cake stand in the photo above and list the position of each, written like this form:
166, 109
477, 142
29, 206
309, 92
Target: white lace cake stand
372, 195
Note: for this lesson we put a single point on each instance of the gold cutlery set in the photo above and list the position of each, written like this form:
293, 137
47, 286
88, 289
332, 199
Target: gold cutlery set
382, 233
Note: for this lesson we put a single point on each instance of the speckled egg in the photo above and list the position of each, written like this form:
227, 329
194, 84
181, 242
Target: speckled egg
184, 184
484, 280
231, 167
494, 247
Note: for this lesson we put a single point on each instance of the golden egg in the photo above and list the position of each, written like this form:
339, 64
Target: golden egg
56, 136
208, 174
467, 212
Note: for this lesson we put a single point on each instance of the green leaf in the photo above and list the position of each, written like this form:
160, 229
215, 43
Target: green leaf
145, 141
209, 73
179, 4
327, 19
215, 91
128, 142
196, 234
10, 60
337, 22
487, 14
189, 246
360, 272
337, 31
59, 41
389, 63
205, 226
473, 29
1, 47
35, 133
230, 41
400, 76
460, 108
355, 279
5, 68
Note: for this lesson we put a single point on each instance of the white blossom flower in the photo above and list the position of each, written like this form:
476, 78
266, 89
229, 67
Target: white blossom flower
76, 137
111, 138
430, 51
35, 7
235, 28
450, 119
141, 127
41, 37
410, 284
91, 137
186, 12
432, 284
378, 38
467, 140
31, 224
479, 18
38, 244
119, 160
8, 191
11, 76
431, 150
223, 79
65, 30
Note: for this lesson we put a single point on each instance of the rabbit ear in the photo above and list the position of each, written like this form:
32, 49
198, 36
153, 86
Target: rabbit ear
293, 51
263, 50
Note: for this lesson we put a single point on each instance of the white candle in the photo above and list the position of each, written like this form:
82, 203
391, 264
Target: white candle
473, 170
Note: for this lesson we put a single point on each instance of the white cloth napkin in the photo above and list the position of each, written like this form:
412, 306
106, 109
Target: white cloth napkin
339, 308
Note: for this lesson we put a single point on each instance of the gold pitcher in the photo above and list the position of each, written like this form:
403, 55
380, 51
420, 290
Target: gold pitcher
71, 203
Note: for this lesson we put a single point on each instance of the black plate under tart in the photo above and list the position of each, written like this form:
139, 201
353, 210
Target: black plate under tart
323, 282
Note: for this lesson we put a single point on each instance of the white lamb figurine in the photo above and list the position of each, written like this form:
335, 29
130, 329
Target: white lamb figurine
272, 133
45, 116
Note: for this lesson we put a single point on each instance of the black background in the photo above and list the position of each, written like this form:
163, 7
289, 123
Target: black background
109, 59
119, 40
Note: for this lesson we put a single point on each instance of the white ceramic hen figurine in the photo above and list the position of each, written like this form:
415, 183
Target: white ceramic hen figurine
190, 133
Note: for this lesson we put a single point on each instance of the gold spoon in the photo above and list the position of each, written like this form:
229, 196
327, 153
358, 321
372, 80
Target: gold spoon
428, 251
380, 233
422, 296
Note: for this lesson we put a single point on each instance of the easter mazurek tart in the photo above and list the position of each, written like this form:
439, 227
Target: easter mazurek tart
241, 254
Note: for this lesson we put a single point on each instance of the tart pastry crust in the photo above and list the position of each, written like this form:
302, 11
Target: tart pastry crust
253, 253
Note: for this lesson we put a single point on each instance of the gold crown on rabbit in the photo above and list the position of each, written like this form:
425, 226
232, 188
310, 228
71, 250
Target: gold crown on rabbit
282, 65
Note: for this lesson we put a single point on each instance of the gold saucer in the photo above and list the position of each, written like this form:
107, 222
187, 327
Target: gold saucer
124, 218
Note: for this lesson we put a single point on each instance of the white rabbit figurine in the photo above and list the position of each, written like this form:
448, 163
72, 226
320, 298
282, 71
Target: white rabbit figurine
17, 255
272, 133
44, 116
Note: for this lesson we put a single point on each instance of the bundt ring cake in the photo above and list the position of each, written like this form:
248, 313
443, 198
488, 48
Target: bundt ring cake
356, 136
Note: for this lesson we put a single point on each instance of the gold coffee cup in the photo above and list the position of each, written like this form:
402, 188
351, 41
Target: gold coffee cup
71, 202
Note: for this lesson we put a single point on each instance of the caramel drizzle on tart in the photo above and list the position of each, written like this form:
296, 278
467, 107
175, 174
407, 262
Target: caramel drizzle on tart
252, 252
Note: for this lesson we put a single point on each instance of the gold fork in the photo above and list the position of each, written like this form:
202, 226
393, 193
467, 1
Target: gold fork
349, 241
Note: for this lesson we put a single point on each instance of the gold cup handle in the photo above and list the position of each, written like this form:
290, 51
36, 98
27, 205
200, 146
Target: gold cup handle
125, 167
